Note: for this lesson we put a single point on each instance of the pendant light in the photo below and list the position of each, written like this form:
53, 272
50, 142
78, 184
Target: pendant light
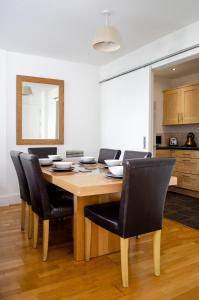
26, 90
107, 37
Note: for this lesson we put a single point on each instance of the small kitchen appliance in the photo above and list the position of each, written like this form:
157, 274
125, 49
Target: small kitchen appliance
173, 141
190, 142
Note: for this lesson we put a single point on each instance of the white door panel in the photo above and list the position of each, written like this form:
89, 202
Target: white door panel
125, 111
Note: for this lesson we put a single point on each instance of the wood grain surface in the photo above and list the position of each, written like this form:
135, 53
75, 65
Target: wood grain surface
24, 276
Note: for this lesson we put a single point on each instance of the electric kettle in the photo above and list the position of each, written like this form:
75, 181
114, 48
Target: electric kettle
190, 140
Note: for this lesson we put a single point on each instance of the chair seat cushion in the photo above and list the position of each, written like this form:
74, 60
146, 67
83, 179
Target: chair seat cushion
105, 215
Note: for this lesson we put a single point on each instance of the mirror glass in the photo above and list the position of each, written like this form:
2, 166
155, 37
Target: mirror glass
40, 111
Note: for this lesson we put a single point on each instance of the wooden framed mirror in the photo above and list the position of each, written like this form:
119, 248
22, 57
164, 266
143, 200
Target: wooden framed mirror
39, 111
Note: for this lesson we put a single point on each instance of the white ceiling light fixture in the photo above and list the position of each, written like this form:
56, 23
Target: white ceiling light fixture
107, 37
26, 90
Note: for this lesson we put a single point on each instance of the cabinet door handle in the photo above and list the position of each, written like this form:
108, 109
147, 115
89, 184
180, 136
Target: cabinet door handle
182, 117
178, 118
186, 175
186, 154
186, 159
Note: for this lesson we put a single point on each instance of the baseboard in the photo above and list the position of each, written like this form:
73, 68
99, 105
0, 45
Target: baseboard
6, 200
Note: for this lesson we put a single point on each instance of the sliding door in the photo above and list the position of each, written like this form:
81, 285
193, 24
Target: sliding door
126, 121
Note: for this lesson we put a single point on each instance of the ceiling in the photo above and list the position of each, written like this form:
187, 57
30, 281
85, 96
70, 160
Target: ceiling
64, 29
182, 69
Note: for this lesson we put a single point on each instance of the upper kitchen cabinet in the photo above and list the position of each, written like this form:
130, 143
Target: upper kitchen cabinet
172, 107
190, 97
181, 105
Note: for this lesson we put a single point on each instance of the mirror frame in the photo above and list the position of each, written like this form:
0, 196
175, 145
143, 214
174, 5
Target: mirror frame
19, 139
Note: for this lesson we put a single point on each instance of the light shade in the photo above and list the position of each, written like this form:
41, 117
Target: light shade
26, 90
106, 39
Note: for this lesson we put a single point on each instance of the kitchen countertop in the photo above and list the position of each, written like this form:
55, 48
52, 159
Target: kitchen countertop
176, 148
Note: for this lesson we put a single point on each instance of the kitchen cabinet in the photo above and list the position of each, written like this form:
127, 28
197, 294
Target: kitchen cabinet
172, 107
190, 96
181, 105
186, 168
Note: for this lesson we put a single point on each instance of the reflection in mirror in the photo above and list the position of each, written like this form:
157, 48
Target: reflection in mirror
40, 111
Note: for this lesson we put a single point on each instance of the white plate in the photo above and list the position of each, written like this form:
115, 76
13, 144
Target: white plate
116, 170
61, 170
88, 163
60, 159
63, 165
113, 176
55, 157
87, 159
45, 162
113, 162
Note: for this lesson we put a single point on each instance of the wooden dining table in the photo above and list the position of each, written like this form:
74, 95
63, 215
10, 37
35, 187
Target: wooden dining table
90, 187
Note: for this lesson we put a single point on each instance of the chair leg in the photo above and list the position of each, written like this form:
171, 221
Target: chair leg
156, 251
45, 239
87, 239
23, 214
124, 247
30, 221
35, 229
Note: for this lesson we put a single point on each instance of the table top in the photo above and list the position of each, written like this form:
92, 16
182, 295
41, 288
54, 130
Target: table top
87, 184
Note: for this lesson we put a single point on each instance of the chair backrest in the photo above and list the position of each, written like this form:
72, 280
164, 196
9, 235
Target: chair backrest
143, 196
37, 185
108, 154
128, 154
43, 152
23, 184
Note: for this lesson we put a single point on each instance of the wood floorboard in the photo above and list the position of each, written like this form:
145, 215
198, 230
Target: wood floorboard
23, 275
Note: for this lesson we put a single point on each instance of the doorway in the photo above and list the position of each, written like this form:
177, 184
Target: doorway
176, 116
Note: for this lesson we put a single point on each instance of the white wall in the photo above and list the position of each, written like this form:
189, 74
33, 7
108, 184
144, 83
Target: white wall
81, 108
178, 40
125, 111
3, 129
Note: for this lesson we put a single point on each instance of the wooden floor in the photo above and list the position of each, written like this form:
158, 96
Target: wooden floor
24, 276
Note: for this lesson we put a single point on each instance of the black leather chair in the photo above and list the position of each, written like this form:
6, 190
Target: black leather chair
139, 211
24, 192
108, 154
47, 203
129, 154
43, 152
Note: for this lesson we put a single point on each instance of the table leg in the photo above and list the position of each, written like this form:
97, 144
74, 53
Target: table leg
102, 241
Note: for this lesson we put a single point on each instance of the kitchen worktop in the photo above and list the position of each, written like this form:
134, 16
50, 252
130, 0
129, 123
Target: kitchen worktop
177, 147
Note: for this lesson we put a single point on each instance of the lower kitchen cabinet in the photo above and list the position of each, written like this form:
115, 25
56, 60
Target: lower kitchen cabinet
187, 181
186, 168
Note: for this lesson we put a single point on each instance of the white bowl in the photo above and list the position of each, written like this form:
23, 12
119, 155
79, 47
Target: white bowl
63, 165
87, 159
45, 161
55, 157
113, 162
116, 170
